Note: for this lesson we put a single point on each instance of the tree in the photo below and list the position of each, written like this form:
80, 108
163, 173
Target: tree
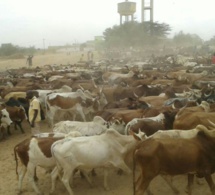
211, 41
10, 49
187, 39
134, 34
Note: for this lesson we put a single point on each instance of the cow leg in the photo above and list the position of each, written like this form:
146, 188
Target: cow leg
35, 175
210, 182
19, 123
105, 179
54, 175
168, 180
143, 181
85, 174
80, 111
66, 177
138, 189
31, 174
199, 181
8, 130
190, 179
93, 172
143, 186
21, 176
121, 165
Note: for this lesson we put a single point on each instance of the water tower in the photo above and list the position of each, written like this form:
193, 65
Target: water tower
126, 9
150, 7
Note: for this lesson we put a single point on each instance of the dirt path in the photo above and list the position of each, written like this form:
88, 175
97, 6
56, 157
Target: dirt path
119, 185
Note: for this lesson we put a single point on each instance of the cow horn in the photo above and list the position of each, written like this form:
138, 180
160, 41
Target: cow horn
207, 95
213, 124
81, 87
101, 89
94, 84
135, 95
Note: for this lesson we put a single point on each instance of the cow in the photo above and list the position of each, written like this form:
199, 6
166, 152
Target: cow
151, 125
177, 133
42, 93
157, 156
15, 95
5, 122
158, 101
95, 127
77, 102
17, 115
119, 93
110, 77
36, 151
158, 118
129, 103
203, 107
108, 149
189, 120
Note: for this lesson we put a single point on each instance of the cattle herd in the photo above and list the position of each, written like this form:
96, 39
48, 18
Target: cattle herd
150, 117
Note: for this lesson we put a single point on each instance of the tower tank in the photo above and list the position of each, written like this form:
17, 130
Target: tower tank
126, 9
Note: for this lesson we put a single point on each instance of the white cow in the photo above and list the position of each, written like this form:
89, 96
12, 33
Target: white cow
86, 153
110, 77
5, 123
95, 127
5, 117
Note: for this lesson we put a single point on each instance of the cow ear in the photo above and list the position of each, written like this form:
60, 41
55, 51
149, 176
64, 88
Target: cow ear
136, 137
117, 122
130, 132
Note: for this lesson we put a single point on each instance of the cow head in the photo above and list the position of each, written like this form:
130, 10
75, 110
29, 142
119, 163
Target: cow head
140, 136
5, 118
118, 124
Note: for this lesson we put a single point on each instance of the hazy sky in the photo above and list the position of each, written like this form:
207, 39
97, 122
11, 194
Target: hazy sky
58, 22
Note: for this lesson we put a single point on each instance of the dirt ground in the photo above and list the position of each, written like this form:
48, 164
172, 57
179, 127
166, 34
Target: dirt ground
119, 184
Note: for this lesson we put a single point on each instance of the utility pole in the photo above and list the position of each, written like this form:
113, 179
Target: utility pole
44, 46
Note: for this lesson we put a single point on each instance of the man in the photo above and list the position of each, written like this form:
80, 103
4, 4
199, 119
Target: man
213, 59
29, 60
34, 115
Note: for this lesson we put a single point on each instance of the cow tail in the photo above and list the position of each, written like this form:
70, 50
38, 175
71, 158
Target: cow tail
134, 168
16, 159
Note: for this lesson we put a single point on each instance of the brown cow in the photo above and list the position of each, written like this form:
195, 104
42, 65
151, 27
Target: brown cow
171, 157
17, 115
158, 101
151, 125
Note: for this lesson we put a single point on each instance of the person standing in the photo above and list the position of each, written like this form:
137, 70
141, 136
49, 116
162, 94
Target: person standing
34, 112
92, 56
213, 59
29, 60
